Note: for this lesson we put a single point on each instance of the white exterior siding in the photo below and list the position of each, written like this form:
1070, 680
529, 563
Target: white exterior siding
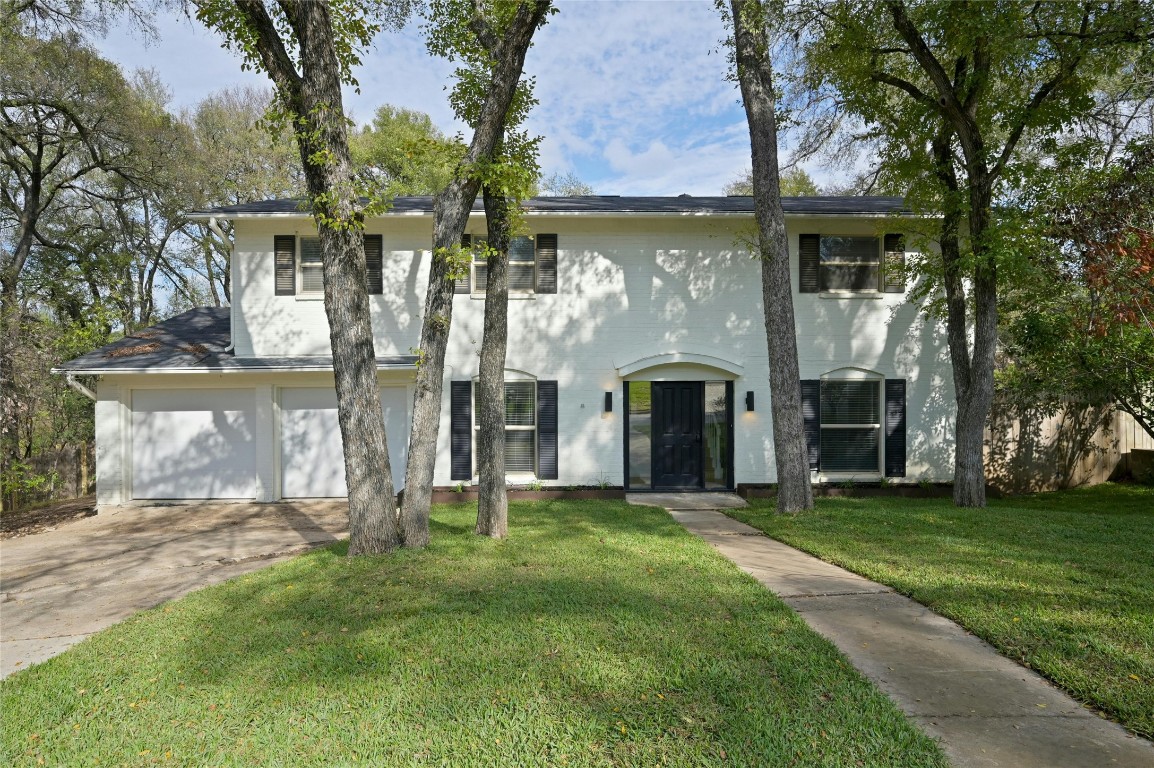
629, 287
271, 325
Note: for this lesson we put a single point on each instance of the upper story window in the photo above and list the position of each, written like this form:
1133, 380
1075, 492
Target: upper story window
532, 265
309, 272
299, 271
851, 264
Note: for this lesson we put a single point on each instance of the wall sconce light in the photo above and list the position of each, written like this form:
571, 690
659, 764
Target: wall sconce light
609, 402
749, 401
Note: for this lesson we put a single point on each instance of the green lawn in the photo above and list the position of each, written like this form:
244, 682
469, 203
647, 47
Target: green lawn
1063, 582
599, 634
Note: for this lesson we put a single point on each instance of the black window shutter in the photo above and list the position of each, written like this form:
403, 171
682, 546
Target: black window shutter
461, 429
461, 284
811, 420
285, 247
894, 261
546, 430
374, 263
895, 427
808, 257
546, 263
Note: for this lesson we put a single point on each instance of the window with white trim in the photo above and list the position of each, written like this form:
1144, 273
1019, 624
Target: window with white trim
520, 426
851, 429
532, 265
522, 265
310, 272
850, 263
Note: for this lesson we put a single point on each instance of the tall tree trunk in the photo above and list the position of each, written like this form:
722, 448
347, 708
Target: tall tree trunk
11, 325
451, 213
973, 371
755, 74
10, 322
315, 98
493, 501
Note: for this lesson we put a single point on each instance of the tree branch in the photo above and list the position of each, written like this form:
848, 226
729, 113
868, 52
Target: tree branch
271, 48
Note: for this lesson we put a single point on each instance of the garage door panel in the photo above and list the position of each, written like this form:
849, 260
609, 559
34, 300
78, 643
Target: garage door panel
193, 444
312, 459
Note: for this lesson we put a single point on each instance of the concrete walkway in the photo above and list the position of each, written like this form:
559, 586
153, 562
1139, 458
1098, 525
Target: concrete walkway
60, 586
983, 708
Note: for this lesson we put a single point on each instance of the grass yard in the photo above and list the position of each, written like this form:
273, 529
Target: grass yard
599, 634
1062, 582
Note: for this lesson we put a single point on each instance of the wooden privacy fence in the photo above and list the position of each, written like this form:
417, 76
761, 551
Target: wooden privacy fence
1031, 450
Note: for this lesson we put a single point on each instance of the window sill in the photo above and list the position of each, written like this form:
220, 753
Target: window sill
511, 478
871, 295
512, 296
842, 477
309, 296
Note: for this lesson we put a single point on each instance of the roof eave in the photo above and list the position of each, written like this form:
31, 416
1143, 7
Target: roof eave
223, 370
200, 215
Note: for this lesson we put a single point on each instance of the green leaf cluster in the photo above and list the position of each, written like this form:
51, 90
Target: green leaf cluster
464, 32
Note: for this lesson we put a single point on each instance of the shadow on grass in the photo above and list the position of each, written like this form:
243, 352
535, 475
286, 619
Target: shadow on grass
598, 631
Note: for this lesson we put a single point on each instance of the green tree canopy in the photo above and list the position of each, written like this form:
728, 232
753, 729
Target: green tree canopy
403, 153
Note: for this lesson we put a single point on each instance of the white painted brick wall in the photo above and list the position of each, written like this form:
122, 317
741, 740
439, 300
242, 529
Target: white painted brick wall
627, 288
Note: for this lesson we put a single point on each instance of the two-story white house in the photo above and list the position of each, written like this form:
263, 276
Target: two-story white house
637, 355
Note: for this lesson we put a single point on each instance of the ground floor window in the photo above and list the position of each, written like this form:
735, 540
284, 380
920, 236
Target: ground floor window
855, 424
520, 426
679, 434
851, 426
530, 429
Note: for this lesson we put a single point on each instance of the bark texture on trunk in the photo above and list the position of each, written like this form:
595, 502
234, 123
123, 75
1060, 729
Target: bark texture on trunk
755, 74
315, 97
492, 500
451, 213
973, 369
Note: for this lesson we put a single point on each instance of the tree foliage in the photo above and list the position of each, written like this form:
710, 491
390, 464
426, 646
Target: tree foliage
402, 153
795, 182
947, 97
564, 185
74, 136
489, 39
1083, 330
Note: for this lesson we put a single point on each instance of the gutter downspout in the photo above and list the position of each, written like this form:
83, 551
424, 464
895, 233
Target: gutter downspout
72, 382
216, 230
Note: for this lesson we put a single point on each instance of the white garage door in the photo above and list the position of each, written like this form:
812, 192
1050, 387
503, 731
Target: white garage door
193, 444
312, 461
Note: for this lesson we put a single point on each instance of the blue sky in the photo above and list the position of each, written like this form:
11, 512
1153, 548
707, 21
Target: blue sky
633, 95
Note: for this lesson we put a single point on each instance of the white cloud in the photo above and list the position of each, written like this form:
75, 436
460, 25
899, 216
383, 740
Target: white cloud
633, 95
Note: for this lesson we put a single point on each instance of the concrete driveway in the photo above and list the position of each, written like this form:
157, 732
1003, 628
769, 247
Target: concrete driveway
58, 587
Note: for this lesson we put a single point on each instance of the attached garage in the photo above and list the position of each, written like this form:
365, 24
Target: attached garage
193, 444
312, 459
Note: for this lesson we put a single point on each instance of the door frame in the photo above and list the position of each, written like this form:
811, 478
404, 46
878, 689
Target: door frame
729, 452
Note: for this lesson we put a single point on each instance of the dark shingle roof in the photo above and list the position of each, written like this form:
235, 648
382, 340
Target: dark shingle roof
195, 340
593, 204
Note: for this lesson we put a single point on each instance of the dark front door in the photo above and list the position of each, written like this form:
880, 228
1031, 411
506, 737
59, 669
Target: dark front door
677, 426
